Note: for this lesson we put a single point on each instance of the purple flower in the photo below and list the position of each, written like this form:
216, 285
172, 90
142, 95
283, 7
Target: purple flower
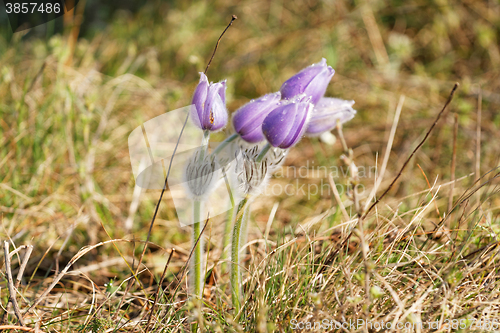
209, 112
285, 125
326, 113
311, 81
248, 119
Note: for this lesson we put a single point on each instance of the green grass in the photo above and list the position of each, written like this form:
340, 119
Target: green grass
66, 181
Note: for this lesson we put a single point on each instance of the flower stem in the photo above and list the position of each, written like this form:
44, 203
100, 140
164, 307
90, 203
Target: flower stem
231, 214
198, 263
263, 152
204, 144
241, 215
198, 251
224, 143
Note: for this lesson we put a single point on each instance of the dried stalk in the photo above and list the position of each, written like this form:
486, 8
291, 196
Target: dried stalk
10, 283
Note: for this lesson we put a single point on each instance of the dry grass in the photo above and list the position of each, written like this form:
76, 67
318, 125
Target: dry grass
431, 243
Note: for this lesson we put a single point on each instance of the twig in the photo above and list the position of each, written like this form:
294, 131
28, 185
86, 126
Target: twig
19, 248
66, 240
218, 41
159, 288
10, 282
375, 36
453, 163
26, 257
387, 153
152, 220
478, 140
341, 136
450, 97
337, 197
363, 216
29, 249
166, 179
75, 258
430, 189
14, 327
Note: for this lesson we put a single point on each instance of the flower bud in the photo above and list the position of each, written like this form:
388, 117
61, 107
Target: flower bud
201, 175
311, 81
325, 114
248, 119
252, 175
285, 125
209, 99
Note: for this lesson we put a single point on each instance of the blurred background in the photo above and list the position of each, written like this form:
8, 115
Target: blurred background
72, 90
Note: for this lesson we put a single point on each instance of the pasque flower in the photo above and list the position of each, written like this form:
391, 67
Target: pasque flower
311, 81
285, 125
326, 113
209, 99
247, 120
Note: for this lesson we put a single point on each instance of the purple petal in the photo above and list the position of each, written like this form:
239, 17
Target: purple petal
326, 113
254, 136
222, 91
298, 83
299, 127
250, 116
195, 118
213, 106
317, 87
277, 125
199, 98
219, 113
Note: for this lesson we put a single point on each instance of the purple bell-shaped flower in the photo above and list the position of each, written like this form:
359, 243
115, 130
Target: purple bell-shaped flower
326, 113
311, 81
286, 124
247, 120
209, 99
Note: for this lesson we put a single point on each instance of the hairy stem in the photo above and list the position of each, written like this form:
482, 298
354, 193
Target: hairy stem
227, 236
224, 143
198, 264
197, 252
263, 152
235, 255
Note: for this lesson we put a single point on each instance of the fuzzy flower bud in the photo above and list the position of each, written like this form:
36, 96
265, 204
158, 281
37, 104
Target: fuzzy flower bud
252, 175
201, 176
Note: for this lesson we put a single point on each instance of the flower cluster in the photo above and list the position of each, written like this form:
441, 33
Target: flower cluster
282, 118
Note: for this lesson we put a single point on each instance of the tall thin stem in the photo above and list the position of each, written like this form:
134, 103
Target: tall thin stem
231, 214
241, 215
198, 264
